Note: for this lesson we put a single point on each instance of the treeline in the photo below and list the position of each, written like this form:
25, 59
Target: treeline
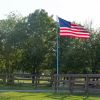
28, 44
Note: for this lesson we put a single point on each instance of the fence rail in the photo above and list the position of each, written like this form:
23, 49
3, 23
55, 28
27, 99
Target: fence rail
61, 82
77, 82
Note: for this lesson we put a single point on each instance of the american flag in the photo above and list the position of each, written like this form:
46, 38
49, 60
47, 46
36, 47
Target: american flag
72, 30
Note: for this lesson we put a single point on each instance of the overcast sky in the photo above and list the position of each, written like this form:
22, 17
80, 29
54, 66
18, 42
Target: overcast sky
80, 11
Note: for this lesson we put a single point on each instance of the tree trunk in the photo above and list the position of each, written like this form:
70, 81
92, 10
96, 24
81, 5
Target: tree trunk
10, 79
33, 76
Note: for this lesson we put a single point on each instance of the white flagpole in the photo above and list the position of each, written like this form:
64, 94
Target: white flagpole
57, 53
57, 46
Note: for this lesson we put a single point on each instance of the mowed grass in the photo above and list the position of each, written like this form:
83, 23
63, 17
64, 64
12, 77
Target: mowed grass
44, 96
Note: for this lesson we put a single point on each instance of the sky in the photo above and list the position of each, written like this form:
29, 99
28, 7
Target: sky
80, 11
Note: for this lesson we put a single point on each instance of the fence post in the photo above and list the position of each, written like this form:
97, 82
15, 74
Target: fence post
70, 84
52, 80
36, 80
55, 83
86, 83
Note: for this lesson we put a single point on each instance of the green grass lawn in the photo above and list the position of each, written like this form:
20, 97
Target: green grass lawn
44, 96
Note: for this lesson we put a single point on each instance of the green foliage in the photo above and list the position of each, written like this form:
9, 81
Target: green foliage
40, 29
29, 44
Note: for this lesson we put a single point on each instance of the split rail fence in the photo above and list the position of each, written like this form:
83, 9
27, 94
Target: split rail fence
62, 82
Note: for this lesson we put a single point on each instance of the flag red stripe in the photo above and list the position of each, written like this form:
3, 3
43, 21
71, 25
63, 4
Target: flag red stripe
80, 32
76, 30
74, 35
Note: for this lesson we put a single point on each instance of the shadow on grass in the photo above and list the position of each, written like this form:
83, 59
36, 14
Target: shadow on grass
57, 96
66, 96
23, 87
16, 87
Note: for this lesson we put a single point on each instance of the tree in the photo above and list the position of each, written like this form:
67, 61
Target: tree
40, 28
9, 51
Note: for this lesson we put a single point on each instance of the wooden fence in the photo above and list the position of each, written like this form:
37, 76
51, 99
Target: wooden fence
77, 83
62, 82
38, 80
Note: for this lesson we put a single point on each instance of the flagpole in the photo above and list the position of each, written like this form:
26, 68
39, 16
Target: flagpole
57, 56
57, 52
